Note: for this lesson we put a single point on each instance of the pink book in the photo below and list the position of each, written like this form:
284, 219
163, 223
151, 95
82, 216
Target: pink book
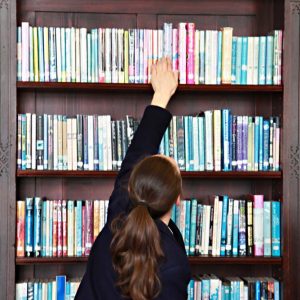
190, 53
89, 226
59, 229
175, 49
83, 227
64, 227
258, 224
182, 52
25, 51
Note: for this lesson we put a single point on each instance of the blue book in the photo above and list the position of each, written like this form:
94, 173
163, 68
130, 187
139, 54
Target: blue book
60, 287
46, 133
257, 290
261, 145
29, 226
267, 228
186, 143
224, 225
269, 59
35, 290
205, 287
256, 143
230, 141
235, 233
201, 143
44, 225
37, 220
266, 141
233, 60
187, 225
78, 222
191, 289
49, 290
41, 61
219, 58
68, 290
191, 144
244, 60
276, 290
225, 139
239, 60
262, 60
40, 290
276, 224
193, 227
167, 142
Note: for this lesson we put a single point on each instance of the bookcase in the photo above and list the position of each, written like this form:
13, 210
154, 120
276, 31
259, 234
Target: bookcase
247, 17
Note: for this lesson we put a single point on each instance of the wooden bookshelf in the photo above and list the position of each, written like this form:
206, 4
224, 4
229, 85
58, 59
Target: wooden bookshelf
184, 174
249, 18
147, 87
195, 260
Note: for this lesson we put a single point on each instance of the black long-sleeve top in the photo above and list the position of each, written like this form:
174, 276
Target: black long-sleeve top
174, 272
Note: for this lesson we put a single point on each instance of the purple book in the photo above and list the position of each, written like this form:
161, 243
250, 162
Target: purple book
234, 143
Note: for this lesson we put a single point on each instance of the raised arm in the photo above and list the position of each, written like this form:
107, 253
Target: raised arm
148, 136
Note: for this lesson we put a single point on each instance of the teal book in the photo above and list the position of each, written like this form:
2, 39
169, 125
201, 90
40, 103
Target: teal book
276, 224
41, 61
191, 144
262, 60
187, 143
219, 58
267, 228
244, 60
224, 225
239, 60
167, 142
191, 288
201, 143
193, 226
233, 60
78, 228
225, 140
205, 287
269, 60
180, 142
187, 225
44, 225
68, 290
37, 219
49, 290
173, 214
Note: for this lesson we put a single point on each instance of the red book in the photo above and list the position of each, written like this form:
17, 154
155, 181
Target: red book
64, 228
89, 226
59, 229
20, 228
54, 241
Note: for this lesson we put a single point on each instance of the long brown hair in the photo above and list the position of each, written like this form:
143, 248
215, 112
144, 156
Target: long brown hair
154, 185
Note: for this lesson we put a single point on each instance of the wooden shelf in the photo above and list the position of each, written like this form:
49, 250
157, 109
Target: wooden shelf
184, 174
147, 87
197, 260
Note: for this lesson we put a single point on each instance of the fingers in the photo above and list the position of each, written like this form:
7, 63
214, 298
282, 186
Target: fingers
176, 75
153, 70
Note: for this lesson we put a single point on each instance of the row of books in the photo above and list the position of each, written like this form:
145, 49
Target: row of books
230, 227
114, 55
56, 228
59, 289
233, 288
215, 140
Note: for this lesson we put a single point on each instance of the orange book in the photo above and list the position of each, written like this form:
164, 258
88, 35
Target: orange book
20, 241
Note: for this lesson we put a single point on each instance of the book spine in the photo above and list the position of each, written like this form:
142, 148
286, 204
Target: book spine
70, 217
219, 57
45, 136
244, 60
228, 249
249, 227
190, 63
239, 60
20, 236
72, 59
267, 228
78, 231
269, 59
89, 226
227, 54
85, 142
180, 142
79, 124
266, 140
276, 224
193, 227
209, 146
242, 228
258, 224
52, 54
28, 141
41, 62
225, 140
245, 143
215, 226
31, 55
136, 56
126, 56
261, 145
175, 49
255, 60
262, 60
55, 228
37, 220
64, 228
182, 36
25, 50
121, 73
224, 225
235, 239
250, 60
187, 227
19, 143
29, 227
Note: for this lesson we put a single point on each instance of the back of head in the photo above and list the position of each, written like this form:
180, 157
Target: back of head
154, 186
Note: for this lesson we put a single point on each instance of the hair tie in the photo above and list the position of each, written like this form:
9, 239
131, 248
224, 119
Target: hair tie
142, 203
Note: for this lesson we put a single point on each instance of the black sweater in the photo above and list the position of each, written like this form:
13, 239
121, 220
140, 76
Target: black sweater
174, 272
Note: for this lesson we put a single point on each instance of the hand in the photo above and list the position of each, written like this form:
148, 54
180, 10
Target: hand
164, 82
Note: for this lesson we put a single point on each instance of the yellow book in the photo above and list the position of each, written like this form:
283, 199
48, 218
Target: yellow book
96, 218
226, 54
35, 55
46, 53
126, 55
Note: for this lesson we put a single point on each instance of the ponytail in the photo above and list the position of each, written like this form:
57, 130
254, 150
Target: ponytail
136, 252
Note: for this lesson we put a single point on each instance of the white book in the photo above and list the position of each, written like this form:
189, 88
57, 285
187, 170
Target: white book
21, 290
220, 208
182, 36
83, 55
150, 53
202, 56
255, 59
101, 54
90, 143
215, 226
160, 43
141, 54
55, 142
121, 56
47, 246
54, 291
250, 60
28, 141
196, 143
208, 57
63, 53
155, 45
214, 56
206, 233
77, 55
145, 59
25, 51
209, 146
68, 55
74, 143
107, 67
69, 144
33, 141
58, 53
196, 56
46, 54
114, 54
50, 229
229, 227
71, 221
226, 54
109, 141
100, 143
106, 202
73, 54
217, 139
